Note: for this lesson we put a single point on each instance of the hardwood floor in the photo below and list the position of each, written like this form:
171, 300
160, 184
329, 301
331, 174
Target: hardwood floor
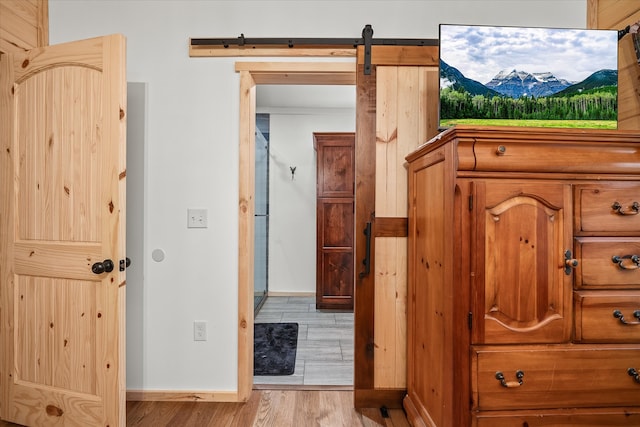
319, 393
281, 408
266, 408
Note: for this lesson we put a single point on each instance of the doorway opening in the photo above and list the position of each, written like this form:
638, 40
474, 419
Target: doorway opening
324, 353
251, 75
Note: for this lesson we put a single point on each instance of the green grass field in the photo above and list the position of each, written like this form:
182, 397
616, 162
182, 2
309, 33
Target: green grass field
582, 124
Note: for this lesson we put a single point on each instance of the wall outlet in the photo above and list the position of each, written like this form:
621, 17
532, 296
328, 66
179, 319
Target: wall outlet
196, 218
199, 331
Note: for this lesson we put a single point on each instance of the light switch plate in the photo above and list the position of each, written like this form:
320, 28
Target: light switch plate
199, 331
196, 218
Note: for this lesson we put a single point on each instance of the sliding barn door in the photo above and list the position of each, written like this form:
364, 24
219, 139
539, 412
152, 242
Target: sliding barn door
396, 111
62, 242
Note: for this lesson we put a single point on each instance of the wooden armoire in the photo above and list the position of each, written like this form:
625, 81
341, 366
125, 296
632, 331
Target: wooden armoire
335, 180
524, 278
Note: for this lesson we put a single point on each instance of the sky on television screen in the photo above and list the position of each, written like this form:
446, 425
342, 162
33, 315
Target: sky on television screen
481, 52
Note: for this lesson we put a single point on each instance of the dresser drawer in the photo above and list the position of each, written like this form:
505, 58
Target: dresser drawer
554, 376
607, 208
607, 262
513, 155
609, 417
607, 316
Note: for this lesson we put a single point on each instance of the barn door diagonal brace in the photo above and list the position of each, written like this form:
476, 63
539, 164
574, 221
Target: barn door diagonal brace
367, 40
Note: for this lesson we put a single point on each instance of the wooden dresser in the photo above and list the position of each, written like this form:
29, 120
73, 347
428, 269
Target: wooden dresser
524, 278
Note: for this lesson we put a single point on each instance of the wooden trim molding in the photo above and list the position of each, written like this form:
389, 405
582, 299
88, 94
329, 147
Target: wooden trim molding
300, 73
246, 233
402, 55
380, 55
181, 396
251, 74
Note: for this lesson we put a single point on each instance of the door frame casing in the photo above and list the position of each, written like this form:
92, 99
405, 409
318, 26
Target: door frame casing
252, 74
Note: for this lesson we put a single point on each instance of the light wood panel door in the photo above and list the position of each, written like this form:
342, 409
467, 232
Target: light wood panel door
62, 210
396, 111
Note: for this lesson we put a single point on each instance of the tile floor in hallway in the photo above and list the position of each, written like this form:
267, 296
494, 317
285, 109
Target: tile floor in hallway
325, 342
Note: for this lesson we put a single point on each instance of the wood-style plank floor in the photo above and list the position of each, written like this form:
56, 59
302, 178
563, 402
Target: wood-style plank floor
324, 355
324, 362
266, 408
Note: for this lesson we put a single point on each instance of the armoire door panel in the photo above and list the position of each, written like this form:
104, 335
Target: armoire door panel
521, 246
335, 217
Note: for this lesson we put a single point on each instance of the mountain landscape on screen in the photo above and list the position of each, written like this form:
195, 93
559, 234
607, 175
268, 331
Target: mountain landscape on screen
516, 84
528, 76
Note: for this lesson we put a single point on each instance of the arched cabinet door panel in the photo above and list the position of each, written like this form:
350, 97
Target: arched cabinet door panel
523, 232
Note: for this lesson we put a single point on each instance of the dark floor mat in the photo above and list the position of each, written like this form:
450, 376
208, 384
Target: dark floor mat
274, 348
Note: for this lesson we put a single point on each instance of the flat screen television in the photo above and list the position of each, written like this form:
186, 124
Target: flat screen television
517, 76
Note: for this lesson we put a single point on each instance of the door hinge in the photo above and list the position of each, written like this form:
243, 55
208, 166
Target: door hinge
471, 202
470, 320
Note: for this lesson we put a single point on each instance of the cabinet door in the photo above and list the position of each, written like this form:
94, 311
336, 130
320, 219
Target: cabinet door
334, 281
335, 219
521, 291
335, 164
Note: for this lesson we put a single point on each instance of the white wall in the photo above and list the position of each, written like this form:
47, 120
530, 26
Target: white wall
192, 154
292, 216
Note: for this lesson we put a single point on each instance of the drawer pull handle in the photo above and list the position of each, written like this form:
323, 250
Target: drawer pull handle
501, 150
635, 259
511, 384
635, 374
618, 315
635, 208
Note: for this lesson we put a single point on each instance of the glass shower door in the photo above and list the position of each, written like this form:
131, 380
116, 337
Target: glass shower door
261, 244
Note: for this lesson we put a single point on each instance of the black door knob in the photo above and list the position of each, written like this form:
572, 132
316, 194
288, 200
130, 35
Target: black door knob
105, 266
124, 263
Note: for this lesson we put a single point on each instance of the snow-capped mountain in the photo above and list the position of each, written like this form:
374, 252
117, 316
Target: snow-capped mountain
516, 83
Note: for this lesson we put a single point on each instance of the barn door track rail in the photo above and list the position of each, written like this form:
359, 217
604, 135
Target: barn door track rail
243, 46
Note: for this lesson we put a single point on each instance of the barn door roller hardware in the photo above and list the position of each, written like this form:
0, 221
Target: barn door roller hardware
366, 40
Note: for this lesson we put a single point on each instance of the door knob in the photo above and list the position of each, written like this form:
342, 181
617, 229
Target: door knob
105, 266
124, 263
